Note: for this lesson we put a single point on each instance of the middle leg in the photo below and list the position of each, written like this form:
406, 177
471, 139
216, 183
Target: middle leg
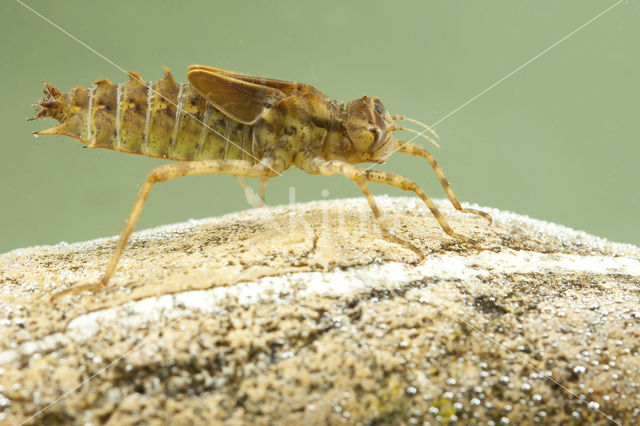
249, 194
317, 165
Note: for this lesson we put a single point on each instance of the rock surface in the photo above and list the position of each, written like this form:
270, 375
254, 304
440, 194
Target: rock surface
304, 314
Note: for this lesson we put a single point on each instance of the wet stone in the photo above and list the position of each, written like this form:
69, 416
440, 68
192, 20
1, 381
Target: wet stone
304, 314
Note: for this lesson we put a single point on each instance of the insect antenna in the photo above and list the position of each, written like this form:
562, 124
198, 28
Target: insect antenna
421, 134
419, 123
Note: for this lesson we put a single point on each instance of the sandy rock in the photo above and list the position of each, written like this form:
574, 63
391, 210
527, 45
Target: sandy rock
304, 314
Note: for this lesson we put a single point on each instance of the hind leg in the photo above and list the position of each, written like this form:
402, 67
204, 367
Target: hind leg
168, 172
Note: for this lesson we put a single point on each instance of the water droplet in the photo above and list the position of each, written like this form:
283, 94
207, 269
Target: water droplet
4, 401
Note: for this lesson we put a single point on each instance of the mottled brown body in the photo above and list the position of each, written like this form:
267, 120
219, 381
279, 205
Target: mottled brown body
160, 118
224, 122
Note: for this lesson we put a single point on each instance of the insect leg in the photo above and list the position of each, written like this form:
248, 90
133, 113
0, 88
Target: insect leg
263, 184
163, 174
250, 195
419, 151
408, 185
317, 165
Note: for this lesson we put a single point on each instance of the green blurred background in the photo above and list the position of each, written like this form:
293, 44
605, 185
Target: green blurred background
558, 140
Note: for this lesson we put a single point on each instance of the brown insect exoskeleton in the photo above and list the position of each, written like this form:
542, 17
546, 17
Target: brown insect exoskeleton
226, 122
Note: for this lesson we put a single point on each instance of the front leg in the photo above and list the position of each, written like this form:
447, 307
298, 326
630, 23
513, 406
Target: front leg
318, 165
419, 151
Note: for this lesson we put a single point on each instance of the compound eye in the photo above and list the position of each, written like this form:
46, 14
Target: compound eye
379, 138
376, 134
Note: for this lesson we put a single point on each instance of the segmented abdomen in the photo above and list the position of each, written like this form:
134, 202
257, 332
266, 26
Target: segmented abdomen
159, 118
